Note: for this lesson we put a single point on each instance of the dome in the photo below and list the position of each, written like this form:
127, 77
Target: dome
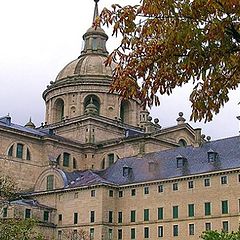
86, 65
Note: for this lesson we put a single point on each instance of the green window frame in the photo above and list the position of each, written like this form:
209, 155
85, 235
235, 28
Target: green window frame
120, 234
120, 217
110, 216
66, 159
225, 207
27, 213
133, 233
133, 216
225, 226
92, 216
19, 150
91, 233
207, 208
191, 210
146, 215
191, 229
46, 216
75, 218
175, 230
160, 231
160, 213
146, 232
50, 181
5, 212
175, 211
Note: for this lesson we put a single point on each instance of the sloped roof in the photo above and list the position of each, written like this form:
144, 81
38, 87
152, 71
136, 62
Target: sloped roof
228, 157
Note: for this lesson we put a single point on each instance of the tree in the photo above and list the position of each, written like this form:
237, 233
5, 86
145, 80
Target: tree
215, 235
166, 44
17, 229
75, 235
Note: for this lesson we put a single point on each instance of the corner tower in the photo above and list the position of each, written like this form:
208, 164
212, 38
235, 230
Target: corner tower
87, 80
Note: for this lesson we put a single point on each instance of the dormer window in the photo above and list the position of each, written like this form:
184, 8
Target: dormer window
126, 171
212, 156
181, 161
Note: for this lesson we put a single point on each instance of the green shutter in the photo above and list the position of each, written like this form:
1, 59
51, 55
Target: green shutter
224, 207
133, 216
46, 216
50, 182
19, 153
175, 211
133, 233
207, 208
191, 210
160, 213
66, 157
146, 215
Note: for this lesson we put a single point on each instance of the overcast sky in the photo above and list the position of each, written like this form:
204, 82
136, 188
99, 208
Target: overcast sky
39, 37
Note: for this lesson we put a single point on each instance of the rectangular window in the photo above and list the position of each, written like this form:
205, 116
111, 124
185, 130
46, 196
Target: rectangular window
59, 218
175, 186
93, 193
91, 233
120, 194
160, 231
208, 226
27, 213
133, 192
66, 158
46, 216
160, 188
110, 193
110, 159
119, 234
110, 216
190, 184
146, 215
146, 190
19, 152
50, 182
110, 234
146, 232
5, 212
225, 226
92, 216
175, 230
191, 210
59, 235
191, 229
207, 208
133, 233
160, 213
175, 211
225, 207
119, 217
75, 218
207, 182
224, 180
133, 216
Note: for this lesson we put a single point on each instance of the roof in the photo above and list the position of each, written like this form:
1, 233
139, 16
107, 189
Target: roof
164, 165
30, 203
228, 157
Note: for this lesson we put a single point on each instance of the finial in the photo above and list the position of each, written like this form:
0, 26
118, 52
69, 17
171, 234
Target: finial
95, 10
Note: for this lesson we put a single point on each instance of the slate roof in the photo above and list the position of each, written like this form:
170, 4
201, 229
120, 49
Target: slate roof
165, 165
30, 203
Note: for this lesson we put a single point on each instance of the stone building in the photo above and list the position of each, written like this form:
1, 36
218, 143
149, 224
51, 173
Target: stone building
100, 164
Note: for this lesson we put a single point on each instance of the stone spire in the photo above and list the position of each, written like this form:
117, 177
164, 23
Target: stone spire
95, 38
96, 14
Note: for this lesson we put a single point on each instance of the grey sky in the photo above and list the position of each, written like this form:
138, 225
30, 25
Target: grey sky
39, 37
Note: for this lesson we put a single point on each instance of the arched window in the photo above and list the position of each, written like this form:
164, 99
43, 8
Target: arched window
182, 143
10, 151
28, 155
58, 159
50, 179
103, 164
19, 150
109, 160
92, 99
74, 163
125, 112
59, 110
